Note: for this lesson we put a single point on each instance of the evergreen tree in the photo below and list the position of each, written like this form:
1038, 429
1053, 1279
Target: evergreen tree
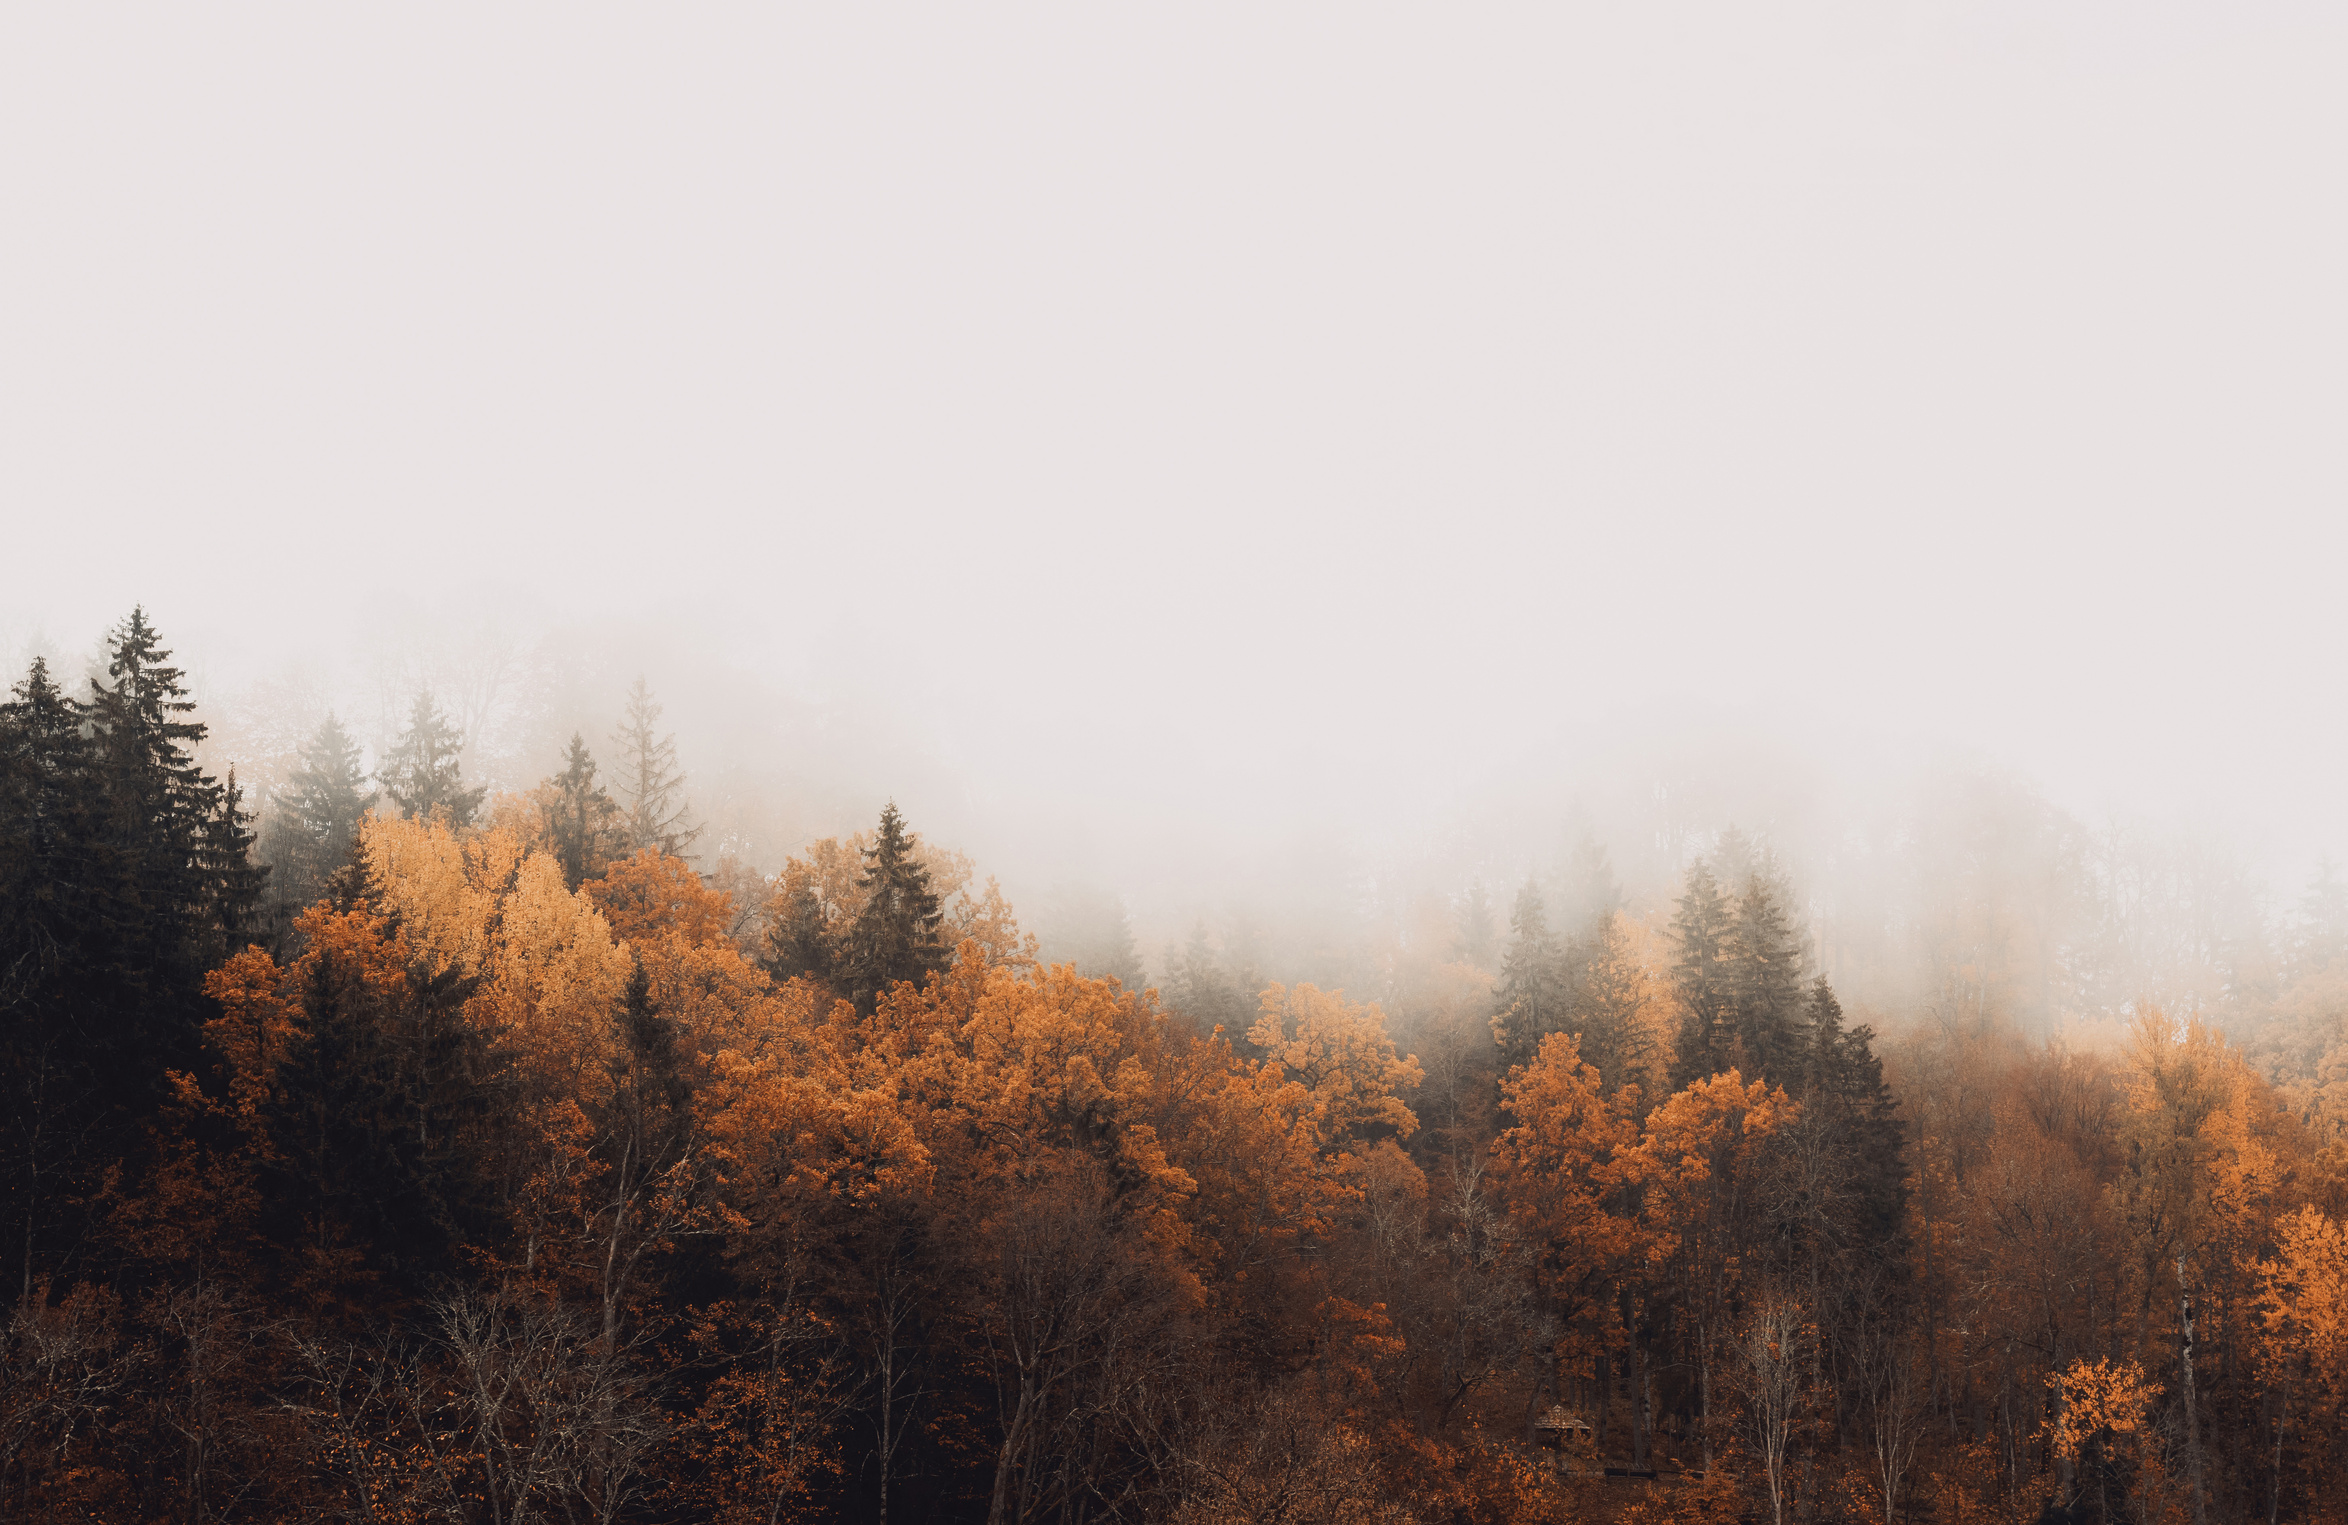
896, 936
61, 893
382, 1164
2323, 920
1535, 993
1765, 958
423, 773
1699, 969
650, 786
1479, 929
1202, 987
799, 939
1609, 1004
1588, 891
47, 800
234, 881
156, 796
1087, 926
588, 831
313, 822
1841, 1083
126, 874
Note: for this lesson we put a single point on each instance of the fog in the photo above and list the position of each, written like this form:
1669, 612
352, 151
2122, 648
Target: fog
1276, 465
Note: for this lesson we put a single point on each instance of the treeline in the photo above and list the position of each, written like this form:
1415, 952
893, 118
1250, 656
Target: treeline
482, 1160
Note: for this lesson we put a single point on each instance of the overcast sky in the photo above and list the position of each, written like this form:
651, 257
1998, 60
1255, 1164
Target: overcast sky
1165, 404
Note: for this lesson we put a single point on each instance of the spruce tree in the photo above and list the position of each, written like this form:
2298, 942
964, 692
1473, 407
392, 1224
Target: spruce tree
48, 834
1609, 1004
1702, 1045
126, 878
588, 831
1764, 963
1087, 926
156, 796
896, 935
1479, 929
423, 773
61, 893
1201, 986
1589, 890
313, 821
234, 882
1534, 996
651, 788
1840, 1083
799, 940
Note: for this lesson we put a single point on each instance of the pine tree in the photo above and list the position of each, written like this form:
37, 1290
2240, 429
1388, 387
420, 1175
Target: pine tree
799, 939
896, 936
423, 773
156, 796
1590, 892
1201, 986
588, 831
2323, 920
1609, 1005
1764, 961
1534, 996
1479, 929
1840, 1082
1699, 970
649, 783
234, 881
1088, 927
313, 822
127, 877
47, 805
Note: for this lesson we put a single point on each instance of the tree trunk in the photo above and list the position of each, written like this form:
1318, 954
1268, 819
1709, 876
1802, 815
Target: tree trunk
1007, 1461
1639, 1399
2274, 1499
2185, 1376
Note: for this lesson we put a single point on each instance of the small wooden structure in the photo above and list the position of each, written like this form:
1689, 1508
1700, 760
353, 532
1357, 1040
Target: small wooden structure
1558, 1430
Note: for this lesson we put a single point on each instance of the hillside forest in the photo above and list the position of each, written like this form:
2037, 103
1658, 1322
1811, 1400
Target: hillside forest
393, 1149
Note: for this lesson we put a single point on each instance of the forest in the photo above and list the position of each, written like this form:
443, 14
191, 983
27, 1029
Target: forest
393, 1149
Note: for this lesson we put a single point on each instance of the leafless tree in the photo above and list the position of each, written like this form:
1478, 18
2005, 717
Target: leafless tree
1769, 1368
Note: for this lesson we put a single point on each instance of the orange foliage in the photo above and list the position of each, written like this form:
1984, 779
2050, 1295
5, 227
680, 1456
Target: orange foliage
653, 895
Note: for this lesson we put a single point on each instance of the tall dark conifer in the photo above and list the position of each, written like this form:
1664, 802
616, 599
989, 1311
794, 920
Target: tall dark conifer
127, 877
313, 822
423, 773
587, 829
1765, 959
800, 943
234, 881
896, 935
1534, 996
1840, 1082
651, 787
1701, 928
1479, 928
1609, 1004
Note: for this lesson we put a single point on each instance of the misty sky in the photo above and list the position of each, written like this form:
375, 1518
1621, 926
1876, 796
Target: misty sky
1201, 410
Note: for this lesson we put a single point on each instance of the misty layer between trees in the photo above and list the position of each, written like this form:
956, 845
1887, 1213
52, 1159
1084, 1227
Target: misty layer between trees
394, 1149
